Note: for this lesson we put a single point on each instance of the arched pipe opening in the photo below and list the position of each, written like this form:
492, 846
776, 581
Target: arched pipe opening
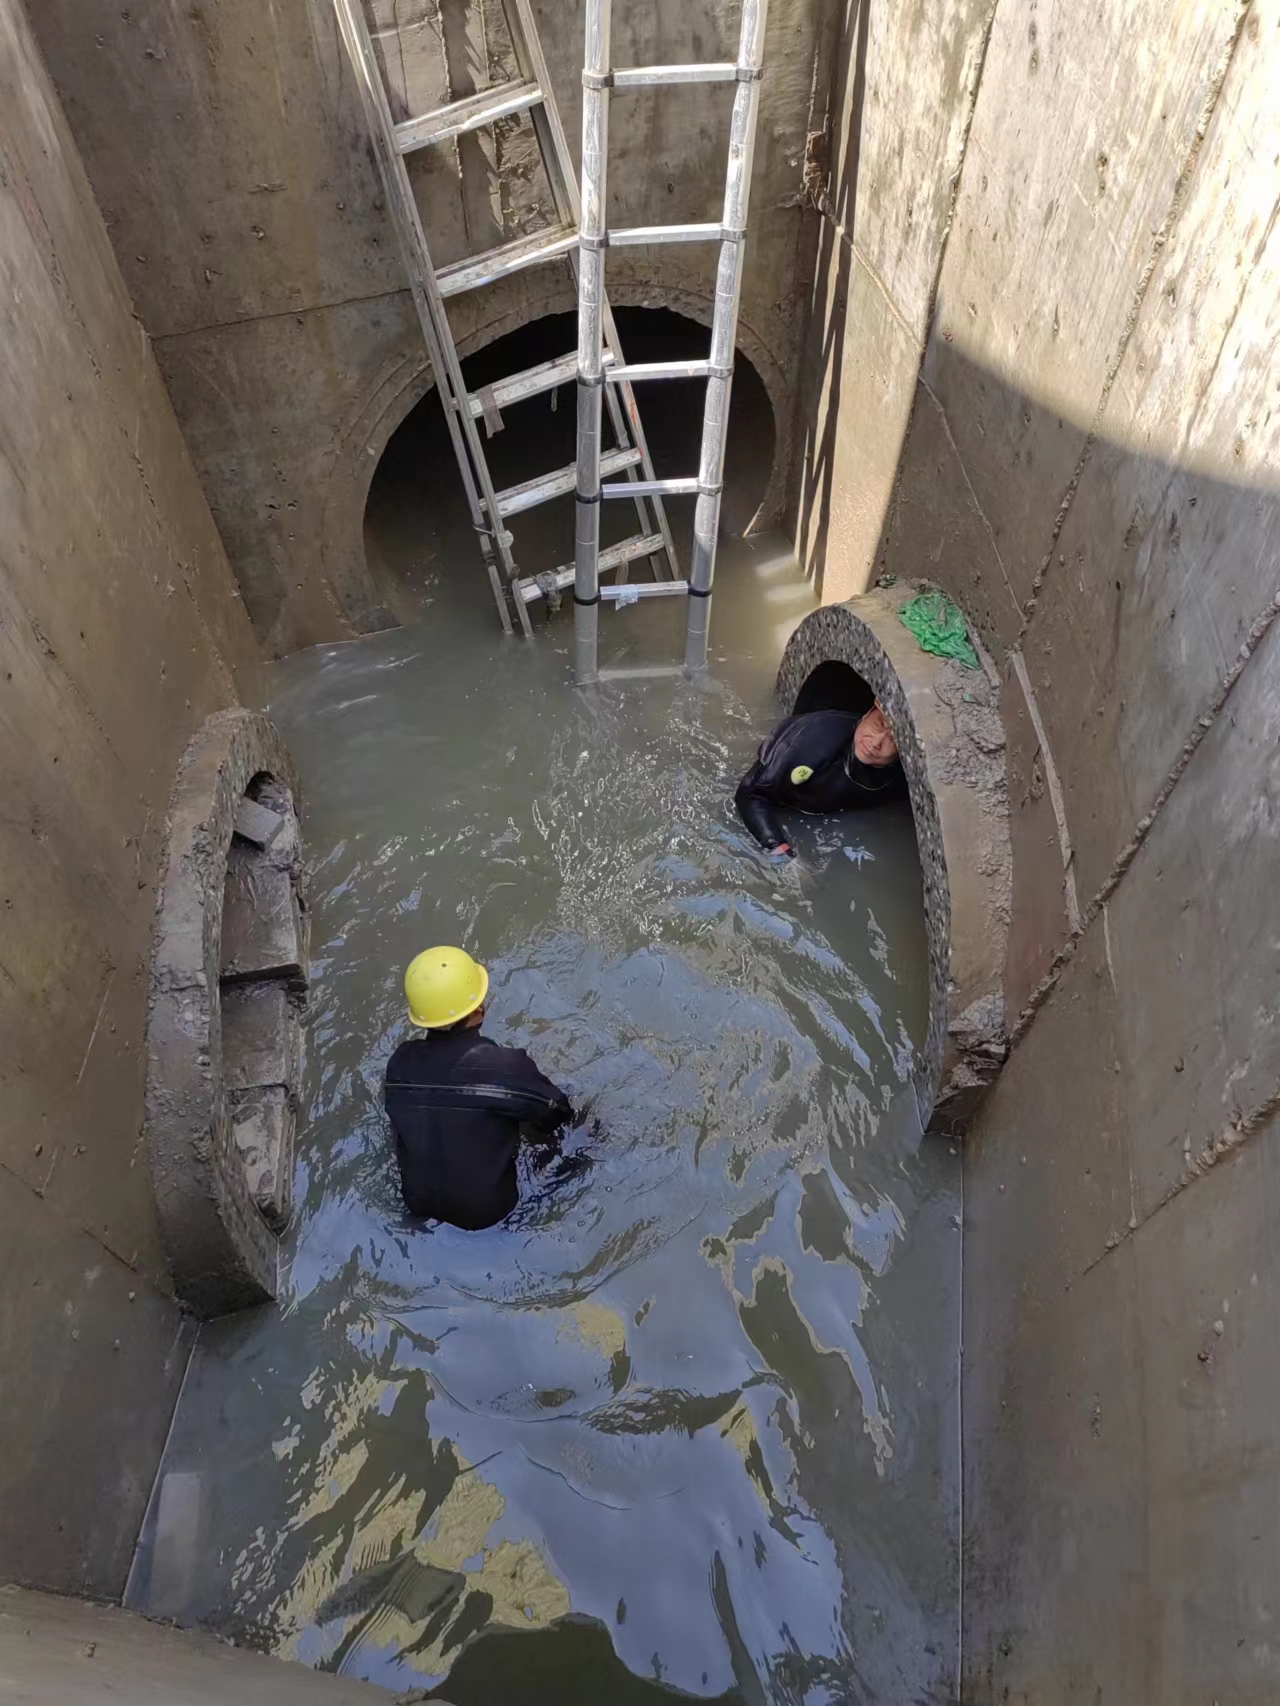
418, 537
951, 741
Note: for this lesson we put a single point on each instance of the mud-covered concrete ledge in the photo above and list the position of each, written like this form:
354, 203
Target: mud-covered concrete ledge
228, 980
952, 742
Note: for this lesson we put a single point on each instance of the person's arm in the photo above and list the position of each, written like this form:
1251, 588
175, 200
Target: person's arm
757, 794
546, 1107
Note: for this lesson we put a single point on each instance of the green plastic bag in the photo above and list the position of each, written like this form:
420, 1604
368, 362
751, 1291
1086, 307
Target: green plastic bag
938, 625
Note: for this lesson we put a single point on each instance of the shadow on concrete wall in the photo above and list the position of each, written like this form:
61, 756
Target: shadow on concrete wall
1122, 1171
829, 299
418, 537
1120, 589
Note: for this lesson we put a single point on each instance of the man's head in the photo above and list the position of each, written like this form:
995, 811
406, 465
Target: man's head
873, 741
445, 989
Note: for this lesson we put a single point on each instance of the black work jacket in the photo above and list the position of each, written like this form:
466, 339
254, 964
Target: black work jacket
807, 764
457, 1104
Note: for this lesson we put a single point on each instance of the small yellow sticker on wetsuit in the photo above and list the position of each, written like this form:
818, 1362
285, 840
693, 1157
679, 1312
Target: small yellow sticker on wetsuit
801, 773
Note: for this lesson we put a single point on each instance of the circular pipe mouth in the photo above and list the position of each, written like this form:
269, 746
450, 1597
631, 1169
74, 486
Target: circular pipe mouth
848, 656
415, 527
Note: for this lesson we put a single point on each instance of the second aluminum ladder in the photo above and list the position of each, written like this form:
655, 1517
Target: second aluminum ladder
490, 508
596, 376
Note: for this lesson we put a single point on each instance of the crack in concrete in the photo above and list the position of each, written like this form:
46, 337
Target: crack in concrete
924, 385
1229, 1143
1204, 722
294, 313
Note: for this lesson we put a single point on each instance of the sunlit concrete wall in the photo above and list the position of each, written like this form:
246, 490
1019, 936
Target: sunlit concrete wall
1088, 459
120, 628
228, 149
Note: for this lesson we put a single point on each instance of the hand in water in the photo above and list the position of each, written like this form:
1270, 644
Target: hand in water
781, 854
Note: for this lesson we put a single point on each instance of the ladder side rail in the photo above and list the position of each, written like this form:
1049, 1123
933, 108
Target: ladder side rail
436, 332
724, 329
591, 384
623, 411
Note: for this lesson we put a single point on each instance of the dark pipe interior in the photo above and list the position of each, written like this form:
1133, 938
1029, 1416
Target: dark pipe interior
834, 686
417, 531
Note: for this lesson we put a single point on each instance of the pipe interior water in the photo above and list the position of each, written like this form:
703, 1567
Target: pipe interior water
687, 1422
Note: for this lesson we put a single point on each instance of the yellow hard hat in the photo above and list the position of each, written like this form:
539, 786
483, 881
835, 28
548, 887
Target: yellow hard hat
443, 986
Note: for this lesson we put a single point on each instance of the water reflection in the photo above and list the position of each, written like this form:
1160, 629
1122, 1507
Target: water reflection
686, 1422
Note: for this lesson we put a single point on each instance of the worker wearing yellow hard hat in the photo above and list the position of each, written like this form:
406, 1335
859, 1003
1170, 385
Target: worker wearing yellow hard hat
459, 1103
443, 986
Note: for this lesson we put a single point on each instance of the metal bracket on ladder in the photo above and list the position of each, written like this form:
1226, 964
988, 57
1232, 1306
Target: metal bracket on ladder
529, 92
595, 378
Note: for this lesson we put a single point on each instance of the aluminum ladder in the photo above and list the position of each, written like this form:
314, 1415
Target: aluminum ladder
490, 508
597, 375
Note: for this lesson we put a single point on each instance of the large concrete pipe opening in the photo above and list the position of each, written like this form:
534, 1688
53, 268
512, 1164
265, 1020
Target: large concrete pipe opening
418, 536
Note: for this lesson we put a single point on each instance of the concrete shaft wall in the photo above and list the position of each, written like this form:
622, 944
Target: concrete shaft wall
228, 151
120, 628
62, 1652
1044, 374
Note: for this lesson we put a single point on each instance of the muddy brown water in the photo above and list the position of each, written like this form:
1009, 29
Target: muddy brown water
687, 1423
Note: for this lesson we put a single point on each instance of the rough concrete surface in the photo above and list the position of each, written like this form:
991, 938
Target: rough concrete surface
1052, 233
63, 1652
120, 628
946, 721
264, 264
1178, 503
263, 930
1089, 468
93, 1356
891, 114
206, 1038
263, 1127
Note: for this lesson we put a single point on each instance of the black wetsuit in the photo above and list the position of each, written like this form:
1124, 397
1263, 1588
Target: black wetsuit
821, 743
457, 1103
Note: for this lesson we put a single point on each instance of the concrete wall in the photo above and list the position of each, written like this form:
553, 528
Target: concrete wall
1089, 465
895, 94
227, 148
62, 1652
120, 628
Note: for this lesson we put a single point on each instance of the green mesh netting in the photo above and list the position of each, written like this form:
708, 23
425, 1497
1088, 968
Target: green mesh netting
938, 625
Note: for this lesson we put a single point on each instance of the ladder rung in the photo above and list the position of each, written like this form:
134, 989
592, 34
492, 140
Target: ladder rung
511, 257
643, 589
665, 234
530, 493
648, 76
639, 545
647, 488
643, 672
533, 382
631, 373
471, 113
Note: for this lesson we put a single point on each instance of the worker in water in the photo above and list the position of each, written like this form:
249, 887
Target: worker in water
819, 761
459, 1103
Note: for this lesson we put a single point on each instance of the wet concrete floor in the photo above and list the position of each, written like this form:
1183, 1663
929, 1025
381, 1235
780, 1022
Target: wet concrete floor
688, 1422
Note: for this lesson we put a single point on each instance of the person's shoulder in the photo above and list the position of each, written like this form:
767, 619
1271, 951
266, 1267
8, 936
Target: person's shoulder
485, 1049
784, 732
404, 1055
